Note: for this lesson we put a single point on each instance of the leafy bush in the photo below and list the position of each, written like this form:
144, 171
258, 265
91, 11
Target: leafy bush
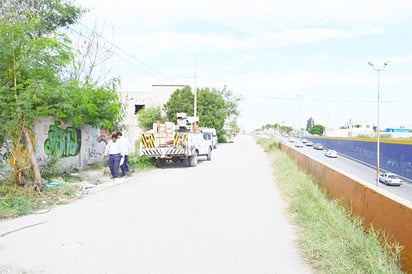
136, 162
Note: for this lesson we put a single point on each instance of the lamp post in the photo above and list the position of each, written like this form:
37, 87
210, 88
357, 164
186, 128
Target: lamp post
379, 69
195, 89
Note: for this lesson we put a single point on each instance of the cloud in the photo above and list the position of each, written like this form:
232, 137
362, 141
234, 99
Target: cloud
162, 13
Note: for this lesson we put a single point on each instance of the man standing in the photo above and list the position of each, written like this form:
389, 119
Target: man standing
124, 148
113, 150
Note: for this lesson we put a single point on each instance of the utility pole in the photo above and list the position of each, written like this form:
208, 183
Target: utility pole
195, 89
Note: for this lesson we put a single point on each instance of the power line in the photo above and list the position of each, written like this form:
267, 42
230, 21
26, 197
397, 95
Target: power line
117, 54
122, 50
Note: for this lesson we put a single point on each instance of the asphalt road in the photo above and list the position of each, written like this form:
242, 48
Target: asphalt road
223, 216
357, 170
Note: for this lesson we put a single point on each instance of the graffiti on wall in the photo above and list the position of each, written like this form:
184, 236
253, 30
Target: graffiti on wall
104, 136
62, 142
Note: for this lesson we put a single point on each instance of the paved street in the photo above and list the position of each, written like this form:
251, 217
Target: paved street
223, 216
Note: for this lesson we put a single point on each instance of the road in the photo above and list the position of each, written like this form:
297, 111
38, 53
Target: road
357, 170
223, 216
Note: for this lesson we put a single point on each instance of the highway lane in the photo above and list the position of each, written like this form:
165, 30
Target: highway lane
357, 170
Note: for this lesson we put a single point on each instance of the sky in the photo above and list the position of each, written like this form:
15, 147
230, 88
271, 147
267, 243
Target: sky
288, 60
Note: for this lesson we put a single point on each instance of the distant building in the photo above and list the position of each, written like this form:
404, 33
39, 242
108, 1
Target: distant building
352, 129
397, 130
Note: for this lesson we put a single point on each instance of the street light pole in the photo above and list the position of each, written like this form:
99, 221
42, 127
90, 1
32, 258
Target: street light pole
377, 124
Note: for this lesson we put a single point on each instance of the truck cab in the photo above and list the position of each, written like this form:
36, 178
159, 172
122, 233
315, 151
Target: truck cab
212, 131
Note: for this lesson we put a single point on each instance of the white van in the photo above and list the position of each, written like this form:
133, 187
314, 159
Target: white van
214, 135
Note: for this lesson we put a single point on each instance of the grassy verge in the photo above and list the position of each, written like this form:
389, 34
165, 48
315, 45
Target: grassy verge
331, 240
17, 201
65, 187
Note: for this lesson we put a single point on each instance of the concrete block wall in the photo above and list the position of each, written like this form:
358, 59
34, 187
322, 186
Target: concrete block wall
375, 206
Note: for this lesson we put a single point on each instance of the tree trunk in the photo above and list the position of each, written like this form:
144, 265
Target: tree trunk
36, 170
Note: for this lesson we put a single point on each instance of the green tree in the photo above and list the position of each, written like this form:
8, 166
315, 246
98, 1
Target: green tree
231, 100
32, 56
214, 107
49, 15
310, 123
148, 116
286, 129
181, 100
317, 129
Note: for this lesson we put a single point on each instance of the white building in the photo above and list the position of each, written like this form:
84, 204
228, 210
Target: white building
352, 129
137, 100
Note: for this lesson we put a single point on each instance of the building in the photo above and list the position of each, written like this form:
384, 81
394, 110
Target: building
352, 129
137, 100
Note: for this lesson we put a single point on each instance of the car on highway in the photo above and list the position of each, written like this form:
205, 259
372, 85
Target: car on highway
304, 140
331, 153
390, 179
309, 143
298, 144
318, 146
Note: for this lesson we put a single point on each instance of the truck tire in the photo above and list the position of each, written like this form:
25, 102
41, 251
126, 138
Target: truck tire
209, 154
160, 162
192, 160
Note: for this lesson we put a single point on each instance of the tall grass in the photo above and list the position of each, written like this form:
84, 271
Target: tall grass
331, 239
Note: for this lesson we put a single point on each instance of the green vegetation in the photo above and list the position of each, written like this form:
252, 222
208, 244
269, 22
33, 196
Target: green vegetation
148, 116
331, 239
282, 129
60, 188
317, 129
216, 109
16, 201
34, 56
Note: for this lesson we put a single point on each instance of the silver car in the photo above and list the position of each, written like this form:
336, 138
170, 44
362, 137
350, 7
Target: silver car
331, 153
390, 179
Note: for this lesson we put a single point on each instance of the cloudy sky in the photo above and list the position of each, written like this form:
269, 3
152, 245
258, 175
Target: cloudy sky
289, 60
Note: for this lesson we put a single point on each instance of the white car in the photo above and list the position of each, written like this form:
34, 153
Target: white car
390, 179
331, 153
298, 144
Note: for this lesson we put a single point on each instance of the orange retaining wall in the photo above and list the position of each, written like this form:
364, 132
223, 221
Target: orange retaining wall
375, 206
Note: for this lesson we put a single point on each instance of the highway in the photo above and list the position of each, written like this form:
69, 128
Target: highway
356, 170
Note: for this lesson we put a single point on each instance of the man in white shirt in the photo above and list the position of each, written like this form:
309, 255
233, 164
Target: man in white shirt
113, 150
124, 147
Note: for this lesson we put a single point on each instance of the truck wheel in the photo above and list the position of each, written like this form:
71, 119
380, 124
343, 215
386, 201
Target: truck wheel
209, 154
160, 162
192, 160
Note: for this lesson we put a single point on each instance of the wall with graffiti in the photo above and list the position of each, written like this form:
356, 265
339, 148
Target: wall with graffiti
77, 147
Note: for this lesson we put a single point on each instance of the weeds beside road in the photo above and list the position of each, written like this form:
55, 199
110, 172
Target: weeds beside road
59, 188
331, 239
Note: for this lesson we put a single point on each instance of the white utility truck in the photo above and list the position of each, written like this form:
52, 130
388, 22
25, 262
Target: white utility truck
182, 142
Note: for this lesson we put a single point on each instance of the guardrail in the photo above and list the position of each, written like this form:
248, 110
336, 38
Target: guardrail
375, 206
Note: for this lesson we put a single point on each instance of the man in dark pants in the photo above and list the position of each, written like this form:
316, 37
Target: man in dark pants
124, 147
113, 150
